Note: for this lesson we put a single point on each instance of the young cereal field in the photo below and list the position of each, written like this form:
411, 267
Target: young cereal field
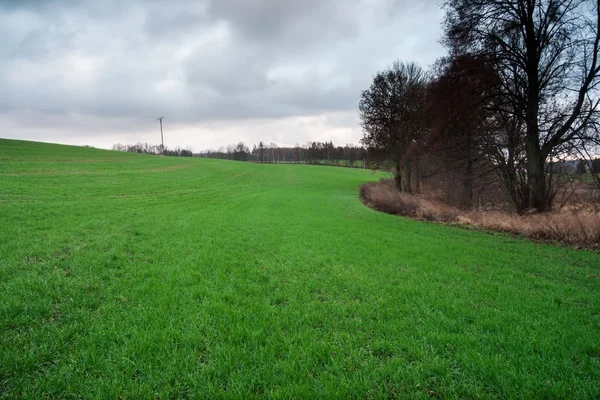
133, 276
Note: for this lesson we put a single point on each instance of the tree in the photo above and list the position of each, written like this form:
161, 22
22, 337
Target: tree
297, 153
581, 167
119, 147
261, 151
391, 114
456, 103
546, 55
240, 152
272, 147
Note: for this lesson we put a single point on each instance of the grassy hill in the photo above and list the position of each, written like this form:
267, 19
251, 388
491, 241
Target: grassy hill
140, 276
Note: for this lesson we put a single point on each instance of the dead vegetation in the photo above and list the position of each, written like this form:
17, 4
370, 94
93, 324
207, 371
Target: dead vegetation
576, 225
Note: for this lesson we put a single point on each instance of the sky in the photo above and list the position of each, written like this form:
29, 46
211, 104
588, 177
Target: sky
96, 73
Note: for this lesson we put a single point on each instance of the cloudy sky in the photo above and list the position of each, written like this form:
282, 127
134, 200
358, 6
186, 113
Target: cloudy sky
219, 71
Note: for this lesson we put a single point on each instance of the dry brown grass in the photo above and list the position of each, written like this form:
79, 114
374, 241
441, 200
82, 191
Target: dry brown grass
383, 196
580, 228
565, 227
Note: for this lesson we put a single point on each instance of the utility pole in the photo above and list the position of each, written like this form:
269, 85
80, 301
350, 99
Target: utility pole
161, 136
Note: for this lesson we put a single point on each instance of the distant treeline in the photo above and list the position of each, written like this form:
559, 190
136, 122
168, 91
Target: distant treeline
588, 166
145, 148
324, 153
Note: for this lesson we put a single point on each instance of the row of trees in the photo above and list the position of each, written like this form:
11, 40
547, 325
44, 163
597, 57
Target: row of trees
516, 96
145, 148
588, 166
237, 152
324, 153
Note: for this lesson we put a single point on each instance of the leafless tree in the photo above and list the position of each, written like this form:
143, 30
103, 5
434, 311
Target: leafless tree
391, 113
546, 55
457, 98
119, 147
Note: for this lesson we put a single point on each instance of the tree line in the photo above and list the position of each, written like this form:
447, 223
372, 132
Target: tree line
512, 104
323, 153
145, 148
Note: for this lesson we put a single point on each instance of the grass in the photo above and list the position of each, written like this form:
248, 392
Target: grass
124, 275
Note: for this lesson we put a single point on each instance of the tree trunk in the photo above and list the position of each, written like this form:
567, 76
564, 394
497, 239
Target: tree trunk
406, 177
467, 201
535, 177
417, 177
536, 181
398, 176
510, 176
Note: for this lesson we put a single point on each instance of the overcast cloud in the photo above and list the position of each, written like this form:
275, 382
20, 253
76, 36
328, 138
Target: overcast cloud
219, 71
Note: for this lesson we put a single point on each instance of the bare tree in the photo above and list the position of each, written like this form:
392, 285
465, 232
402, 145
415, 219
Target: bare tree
455, 108
261, 151
392, 118
230, 150
119, 147
546, 55
241, 152
272, 155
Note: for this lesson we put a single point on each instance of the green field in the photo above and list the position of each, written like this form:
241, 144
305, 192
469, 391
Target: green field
133, 276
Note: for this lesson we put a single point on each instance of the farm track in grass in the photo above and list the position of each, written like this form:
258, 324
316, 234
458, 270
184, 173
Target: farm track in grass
140, 276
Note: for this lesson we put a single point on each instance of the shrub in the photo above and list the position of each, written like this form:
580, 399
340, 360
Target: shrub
573, 227
386, 198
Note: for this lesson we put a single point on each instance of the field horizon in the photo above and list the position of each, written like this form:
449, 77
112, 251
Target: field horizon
136, 276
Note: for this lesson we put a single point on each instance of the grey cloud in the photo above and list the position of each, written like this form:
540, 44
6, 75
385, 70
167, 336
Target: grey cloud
201, 61
301, 22
228, 72
33, 4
